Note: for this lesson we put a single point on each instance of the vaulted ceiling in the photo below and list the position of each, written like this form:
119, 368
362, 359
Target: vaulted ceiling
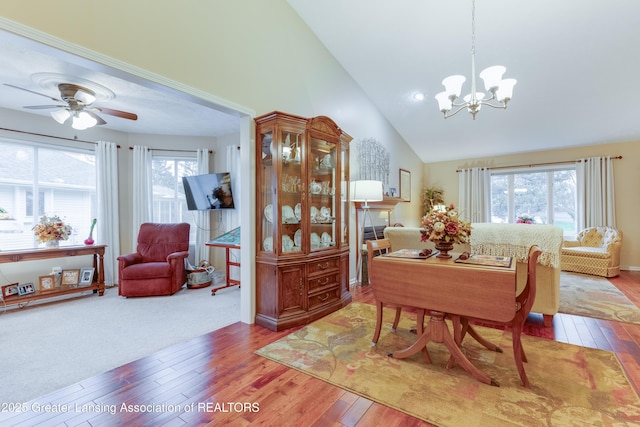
576, 63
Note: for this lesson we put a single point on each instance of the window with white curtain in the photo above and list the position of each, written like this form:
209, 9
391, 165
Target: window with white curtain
36, 180
169, 202
547, 195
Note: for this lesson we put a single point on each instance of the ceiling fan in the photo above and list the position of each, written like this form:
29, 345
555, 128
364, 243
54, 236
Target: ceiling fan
76, 105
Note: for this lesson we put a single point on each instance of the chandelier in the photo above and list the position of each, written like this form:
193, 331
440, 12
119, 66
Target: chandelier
500, 90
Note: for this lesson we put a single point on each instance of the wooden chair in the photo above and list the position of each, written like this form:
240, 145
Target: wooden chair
523, 304
378, 247
374, 248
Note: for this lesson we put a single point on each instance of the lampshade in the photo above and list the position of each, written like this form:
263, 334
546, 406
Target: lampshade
60, 116
366, 191
83, 120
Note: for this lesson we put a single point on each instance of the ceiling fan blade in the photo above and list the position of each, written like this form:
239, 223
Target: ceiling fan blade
95, 116
36, 93
117, 113
43, 107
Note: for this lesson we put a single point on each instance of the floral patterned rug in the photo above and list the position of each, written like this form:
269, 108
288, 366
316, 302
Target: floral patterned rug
596, 297
571, 385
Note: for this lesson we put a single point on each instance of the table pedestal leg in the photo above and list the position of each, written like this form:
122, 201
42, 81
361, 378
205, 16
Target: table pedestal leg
437, 331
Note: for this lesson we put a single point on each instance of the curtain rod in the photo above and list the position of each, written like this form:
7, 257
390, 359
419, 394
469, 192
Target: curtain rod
539, 164
50, 136
174, 150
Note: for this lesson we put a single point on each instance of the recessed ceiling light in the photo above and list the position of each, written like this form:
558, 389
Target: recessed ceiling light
418, 96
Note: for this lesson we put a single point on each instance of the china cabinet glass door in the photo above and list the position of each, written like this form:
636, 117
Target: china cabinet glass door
291, 190
344, 195
322, 192
265, 193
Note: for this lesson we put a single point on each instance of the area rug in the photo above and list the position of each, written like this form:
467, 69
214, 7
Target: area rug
571, 385
596, 297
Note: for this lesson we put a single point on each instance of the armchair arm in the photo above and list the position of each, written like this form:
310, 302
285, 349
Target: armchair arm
570, 243
179, 256
614, 249
129, 259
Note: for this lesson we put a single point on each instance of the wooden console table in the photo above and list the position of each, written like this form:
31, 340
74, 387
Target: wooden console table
66, 251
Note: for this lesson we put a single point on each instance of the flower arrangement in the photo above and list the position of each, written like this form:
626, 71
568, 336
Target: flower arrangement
51, 228
444, 226
525, 219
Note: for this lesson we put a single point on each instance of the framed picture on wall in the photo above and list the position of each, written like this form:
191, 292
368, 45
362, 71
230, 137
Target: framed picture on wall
405, 185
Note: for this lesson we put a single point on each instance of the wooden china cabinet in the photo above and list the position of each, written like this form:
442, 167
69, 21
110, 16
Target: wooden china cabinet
302, 230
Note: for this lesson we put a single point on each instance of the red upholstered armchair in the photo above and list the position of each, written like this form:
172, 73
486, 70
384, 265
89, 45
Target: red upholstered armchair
157, 268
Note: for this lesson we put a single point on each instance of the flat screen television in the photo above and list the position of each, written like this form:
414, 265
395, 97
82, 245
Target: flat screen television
209, 191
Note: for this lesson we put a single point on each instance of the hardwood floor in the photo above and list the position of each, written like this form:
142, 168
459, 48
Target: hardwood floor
216, 379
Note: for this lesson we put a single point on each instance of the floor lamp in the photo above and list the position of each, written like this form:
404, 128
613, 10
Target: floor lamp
364, 191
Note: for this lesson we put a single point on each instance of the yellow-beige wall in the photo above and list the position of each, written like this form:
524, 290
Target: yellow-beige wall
626, 178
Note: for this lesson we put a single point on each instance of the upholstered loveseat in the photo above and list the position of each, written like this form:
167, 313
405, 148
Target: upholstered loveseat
596, 251
507, 240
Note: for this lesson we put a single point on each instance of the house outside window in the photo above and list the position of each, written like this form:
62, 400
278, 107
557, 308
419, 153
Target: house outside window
169, 201
547, 195
38, 180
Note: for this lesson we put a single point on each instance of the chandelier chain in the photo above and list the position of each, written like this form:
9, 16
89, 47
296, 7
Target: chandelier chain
473, 27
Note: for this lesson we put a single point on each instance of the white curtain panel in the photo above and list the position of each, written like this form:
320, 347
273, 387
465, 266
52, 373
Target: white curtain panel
108, 224
233, 167
474, 194
203, 218
141, 191
595, 192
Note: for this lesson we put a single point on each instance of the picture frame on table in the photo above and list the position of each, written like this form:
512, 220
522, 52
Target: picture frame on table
405, 185
86, 276
10, 290
47, 283
70, 277
26, 289
393, 192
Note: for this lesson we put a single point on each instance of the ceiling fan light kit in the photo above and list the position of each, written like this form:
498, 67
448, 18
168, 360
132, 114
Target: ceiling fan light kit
76, 105
499, 89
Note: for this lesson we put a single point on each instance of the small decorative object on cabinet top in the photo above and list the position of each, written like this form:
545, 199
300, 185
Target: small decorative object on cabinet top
51, 229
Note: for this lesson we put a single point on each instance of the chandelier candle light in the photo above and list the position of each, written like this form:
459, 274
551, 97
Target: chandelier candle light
499, 89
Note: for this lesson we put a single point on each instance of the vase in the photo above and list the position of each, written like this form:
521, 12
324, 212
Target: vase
52, 244
444, 248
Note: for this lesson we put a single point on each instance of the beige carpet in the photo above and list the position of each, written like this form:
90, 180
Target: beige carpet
571, 385
596, 297
49, 346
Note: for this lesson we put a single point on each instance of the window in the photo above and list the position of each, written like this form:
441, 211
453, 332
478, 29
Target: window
38, 180
546, 195
169, 202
